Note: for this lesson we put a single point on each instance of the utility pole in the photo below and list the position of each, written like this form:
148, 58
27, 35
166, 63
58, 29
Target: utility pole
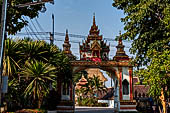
2, 38
52, 34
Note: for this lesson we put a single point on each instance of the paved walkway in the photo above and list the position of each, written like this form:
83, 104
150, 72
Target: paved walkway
93, 110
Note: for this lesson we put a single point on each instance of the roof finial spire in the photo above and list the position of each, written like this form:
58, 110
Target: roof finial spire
66, 31
120, 38
94, 22
94, 28
66, 37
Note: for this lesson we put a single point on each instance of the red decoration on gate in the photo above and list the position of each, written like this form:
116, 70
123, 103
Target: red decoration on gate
96, 59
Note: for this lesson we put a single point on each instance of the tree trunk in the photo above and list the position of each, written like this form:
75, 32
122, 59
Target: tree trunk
39, 104
162, 98
40, 101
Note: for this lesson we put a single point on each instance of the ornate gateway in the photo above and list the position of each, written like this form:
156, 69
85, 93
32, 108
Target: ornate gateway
94, 53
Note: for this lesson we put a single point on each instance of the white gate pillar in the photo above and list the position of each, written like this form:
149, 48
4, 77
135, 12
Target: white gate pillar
116, 97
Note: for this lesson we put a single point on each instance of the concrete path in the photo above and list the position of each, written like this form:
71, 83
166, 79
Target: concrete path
93, 110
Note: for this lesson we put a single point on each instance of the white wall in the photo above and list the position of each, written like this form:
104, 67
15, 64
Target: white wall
109, 102
125, 71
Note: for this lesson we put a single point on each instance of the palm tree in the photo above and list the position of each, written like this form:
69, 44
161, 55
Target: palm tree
34, 50
94, 85
34, 60
11, 57
38, 75
98, 84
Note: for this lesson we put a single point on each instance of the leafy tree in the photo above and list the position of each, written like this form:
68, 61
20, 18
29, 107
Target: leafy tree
81, 94
19, 56
94, 86
13, 96
39, 76
42, 51
146, 22
14, 21
156, 75
34, 50
147, 25
87, 93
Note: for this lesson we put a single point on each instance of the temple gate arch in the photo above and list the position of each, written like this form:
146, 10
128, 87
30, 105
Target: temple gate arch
94, 53
103, 66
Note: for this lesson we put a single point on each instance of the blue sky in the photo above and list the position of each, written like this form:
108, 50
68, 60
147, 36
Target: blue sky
77, 16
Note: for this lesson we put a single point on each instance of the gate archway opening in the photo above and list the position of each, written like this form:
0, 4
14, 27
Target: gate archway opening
121, 71
94, 87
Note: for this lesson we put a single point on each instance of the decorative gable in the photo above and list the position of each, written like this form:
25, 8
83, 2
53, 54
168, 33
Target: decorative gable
94, 46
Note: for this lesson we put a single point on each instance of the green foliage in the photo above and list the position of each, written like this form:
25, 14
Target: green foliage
92, 102
31, 67
94, 85
11, 57
146, 23
13, 96
89, 102
156, 74
87, 95
34, 50
15, 21
39, 75
18, 52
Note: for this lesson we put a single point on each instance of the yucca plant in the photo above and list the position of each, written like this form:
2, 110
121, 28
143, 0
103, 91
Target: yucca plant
38, 75
11, 57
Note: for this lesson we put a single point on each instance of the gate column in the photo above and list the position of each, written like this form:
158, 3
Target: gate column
131, 84
120, 82
116, 97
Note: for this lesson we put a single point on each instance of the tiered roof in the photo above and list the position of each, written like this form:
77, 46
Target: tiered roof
67, 46
83, 81
94, 44
98, 42
120, 53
